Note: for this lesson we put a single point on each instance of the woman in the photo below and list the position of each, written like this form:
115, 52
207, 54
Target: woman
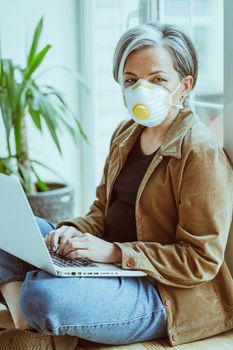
164, 206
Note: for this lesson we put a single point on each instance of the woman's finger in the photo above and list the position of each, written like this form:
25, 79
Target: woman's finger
70, 245
70, 233
56, 237
47, 239
54, 240
51, 239
66, 247
78, 253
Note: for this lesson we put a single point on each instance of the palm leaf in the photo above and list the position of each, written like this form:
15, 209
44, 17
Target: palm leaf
74, 74
81, 131
78, 76
9, 83
48, 168
6, 112
36, 118
41, 184
6, 166
36, 61
48, 113
35, 41
25, 178
67, 112
24, 91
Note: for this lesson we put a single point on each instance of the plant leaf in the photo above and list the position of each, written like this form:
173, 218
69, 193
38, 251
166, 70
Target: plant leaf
6, 113
36, 61
6, 166
78, 76
48, 113
66, 111
41, 184
35, 41
48, 168
36, 118
81, 131
74, 74
25, 177
9, 83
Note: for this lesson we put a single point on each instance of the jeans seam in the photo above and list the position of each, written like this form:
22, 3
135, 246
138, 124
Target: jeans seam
107, 324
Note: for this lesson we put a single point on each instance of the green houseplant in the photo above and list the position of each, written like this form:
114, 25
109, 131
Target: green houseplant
21, 95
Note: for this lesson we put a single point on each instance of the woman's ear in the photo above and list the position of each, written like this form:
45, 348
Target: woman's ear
187, 85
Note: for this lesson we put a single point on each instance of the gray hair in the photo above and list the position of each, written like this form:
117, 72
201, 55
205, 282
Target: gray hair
178, 43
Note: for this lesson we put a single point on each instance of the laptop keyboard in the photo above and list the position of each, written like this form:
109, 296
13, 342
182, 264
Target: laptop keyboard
64, 262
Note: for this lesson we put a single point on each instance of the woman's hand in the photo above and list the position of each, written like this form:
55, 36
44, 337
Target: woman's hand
55, 238
73, 244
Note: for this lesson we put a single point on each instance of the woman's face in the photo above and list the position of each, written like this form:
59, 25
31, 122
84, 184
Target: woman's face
155, 65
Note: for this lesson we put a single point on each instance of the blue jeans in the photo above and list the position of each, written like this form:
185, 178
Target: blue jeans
109, 310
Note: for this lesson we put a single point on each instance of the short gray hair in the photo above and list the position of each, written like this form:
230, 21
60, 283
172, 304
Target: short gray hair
178, 43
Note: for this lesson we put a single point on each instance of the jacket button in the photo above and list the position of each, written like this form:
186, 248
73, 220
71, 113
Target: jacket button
167, 302
174, 337
130, 262
140, 218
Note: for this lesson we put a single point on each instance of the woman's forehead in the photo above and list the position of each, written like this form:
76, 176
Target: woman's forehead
149, 59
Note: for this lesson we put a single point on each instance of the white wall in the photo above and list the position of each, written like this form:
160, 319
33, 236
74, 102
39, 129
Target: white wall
17, 22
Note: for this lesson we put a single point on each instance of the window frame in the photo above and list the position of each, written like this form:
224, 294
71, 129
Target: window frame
86, 34
152, 10
228, 106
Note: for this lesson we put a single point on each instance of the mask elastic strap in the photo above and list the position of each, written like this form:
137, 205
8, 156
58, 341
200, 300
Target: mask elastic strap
172, 93
179, 105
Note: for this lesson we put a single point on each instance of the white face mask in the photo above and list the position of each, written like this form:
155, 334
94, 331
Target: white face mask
147, 103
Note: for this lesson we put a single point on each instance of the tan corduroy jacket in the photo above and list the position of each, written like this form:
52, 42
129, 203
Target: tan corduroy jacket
183, 214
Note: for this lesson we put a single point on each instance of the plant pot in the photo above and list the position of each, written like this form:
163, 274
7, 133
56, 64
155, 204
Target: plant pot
55, 205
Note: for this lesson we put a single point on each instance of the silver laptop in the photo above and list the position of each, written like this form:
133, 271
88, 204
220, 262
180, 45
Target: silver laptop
21, 237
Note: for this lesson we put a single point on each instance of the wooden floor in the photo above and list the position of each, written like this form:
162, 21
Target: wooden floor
223, 341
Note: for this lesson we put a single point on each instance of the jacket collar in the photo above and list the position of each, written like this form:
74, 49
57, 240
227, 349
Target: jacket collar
174, 136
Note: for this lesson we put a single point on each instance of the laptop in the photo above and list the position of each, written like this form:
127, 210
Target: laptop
21, 237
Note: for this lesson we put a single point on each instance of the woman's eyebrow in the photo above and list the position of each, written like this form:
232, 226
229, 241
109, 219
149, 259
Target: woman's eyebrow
155, 72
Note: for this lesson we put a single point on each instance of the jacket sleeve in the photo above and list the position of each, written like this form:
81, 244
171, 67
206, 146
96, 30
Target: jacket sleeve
93, 221
205, 214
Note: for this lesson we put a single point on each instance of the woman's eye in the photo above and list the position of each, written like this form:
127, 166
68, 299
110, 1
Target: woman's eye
130, 82
159, 80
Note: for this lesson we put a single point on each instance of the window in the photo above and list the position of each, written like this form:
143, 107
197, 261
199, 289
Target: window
112, 19
203, 21
102, 25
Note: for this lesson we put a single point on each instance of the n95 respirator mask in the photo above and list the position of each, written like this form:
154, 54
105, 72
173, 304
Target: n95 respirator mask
147, 103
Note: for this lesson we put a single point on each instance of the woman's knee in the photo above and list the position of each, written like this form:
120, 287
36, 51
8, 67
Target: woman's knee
44, 225
38, 303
